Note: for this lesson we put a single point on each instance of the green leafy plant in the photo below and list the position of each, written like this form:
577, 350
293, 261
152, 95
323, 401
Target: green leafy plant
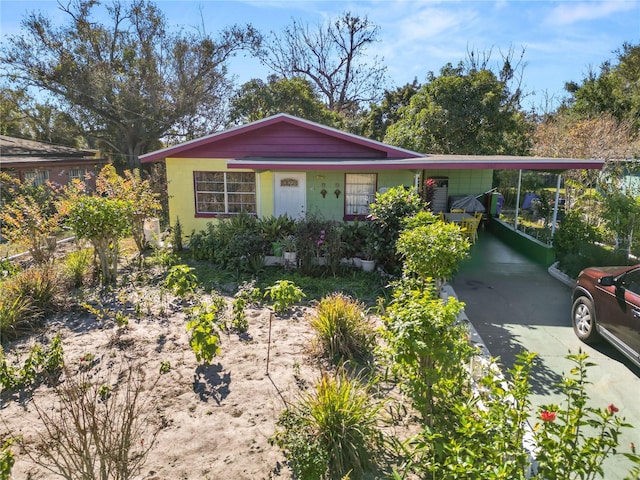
101, 220
40, 362
332, 432
387, 214
246, 295
181, 280
39, 284
427, 347
8, 268
284, 294
177, 236
574, 438
432, 250
17, 314
203, 326
343, 329
76, 266
165, 367
6, 460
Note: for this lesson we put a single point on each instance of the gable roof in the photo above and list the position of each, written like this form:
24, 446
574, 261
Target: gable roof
285, 142
281, 136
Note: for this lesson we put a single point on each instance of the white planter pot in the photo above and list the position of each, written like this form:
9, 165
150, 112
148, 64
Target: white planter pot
290, 259
368, 265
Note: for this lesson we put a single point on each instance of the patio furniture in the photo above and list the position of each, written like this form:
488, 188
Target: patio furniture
470, 228
456, 217
457, 210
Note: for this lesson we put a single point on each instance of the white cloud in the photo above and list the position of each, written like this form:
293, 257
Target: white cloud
568, 13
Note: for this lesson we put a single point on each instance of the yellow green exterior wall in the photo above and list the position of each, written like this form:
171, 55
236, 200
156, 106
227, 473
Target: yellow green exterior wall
464, 182
182, 202
182, 197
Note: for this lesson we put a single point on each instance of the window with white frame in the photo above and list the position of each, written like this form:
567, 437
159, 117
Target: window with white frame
359, 193
225, 192
77, 173
38, 177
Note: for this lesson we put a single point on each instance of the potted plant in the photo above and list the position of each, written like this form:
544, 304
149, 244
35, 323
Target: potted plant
369, 252
288, 245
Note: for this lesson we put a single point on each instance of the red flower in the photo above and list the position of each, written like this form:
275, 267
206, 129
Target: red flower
547, 416
613, 409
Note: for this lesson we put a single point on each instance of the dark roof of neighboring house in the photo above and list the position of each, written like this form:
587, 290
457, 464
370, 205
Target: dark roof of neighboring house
262, 145
19, 151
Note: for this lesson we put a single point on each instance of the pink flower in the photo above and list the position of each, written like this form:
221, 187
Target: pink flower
613, 409
547, 416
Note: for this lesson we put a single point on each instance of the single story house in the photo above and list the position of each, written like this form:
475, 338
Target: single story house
44, 162
287, 165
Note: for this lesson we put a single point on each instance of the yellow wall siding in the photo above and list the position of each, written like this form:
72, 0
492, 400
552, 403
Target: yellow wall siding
182, 196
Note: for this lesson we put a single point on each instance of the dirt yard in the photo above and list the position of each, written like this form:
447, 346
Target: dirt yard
214, 422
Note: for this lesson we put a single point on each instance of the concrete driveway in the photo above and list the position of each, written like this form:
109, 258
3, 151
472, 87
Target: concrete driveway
516, 305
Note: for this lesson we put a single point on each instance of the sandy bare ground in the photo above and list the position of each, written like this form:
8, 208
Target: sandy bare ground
214, 422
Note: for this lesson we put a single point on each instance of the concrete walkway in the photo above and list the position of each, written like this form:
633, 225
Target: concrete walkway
515, 305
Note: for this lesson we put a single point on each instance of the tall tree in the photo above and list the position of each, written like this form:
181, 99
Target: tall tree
333, 57
380, 117
614, 90
464, 111
295, 96
129, 83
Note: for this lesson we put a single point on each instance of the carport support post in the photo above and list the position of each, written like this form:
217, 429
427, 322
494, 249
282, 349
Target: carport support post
555, 207
515, 222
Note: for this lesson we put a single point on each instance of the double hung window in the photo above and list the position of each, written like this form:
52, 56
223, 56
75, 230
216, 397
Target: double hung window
221, 193
360, 192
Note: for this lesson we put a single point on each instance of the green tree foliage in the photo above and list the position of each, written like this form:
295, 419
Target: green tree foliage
614, 90
387, 215
295, 96
332, 57
428, 349
377, 120
130, 82
464, 111
137, 191
103, 221
432, 250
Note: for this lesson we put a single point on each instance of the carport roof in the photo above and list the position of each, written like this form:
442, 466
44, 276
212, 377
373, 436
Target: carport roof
427, 162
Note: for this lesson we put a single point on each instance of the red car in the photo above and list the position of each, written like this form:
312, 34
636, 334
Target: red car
606, 304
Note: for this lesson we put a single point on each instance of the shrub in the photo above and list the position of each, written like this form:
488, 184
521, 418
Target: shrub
315, 238
342, 328
284, 294
95, 432
234, 243
6, 460
76, 266
40, 285
387, 214
181, 280
246, 295
17, 315
332, 432
433, 250
203, 326
427, 347
573, 236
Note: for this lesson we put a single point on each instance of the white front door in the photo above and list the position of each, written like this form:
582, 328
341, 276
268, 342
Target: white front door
290, 194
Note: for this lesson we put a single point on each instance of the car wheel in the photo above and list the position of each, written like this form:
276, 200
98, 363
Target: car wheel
584, 320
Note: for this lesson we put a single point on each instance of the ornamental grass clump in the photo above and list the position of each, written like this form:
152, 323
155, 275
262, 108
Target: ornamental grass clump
333, 431
343, 330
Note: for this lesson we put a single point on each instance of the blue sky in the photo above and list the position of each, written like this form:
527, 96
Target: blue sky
562, 39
